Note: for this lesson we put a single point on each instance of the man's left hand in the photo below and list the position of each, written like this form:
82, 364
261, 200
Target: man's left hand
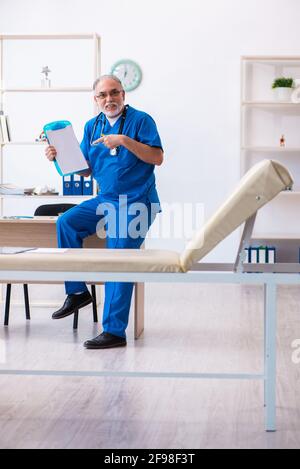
146, 153
110, 141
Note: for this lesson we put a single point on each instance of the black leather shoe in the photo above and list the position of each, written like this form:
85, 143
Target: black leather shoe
105, 340
72, 304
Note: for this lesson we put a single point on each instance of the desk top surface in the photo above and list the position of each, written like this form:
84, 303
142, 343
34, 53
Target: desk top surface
46, 220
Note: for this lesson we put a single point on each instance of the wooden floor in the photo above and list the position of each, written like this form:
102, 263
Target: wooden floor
188, 328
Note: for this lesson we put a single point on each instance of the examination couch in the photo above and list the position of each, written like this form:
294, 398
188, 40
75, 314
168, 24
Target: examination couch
259, 186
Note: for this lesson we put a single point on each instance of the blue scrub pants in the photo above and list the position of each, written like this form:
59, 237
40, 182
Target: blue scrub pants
80, 222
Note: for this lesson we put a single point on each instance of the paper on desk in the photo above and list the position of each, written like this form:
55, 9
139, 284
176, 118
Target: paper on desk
49, 251
70, 158
14, 250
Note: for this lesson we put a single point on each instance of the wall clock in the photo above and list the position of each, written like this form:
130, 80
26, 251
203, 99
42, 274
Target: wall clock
129, 73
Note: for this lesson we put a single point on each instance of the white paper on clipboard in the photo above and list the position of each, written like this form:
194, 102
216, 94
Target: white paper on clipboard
69, 157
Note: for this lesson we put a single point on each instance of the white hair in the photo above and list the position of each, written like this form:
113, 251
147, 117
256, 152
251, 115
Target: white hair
105, 77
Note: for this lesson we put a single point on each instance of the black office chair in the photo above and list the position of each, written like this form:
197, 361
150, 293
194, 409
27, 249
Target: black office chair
52, 210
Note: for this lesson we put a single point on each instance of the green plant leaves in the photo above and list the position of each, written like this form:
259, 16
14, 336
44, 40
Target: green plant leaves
283, 83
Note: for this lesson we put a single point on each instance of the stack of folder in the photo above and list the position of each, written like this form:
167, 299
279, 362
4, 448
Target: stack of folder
260, 255
4, 129
77, 185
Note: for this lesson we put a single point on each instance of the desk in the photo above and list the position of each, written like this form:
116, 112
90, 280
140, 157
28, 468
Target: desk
41, 232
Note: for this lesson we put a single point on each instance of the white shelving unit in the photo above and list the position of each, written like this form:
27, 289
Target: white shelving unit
263, 122
23, 146
74, 60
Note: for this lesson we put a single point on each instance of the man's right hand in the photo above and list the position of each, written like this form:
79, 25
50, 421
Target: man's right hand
51, 153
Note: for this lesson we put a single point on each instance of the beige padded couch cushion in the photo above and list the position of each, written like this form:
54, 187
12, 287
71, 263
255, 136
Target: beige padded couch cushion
261, 184
94, 260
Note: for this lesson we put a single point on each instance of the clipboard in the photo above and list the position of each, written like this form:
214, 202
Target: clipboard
70, 159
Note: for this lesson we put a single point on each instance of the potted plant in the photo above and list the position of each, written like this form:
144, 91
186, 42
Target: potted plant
283, 88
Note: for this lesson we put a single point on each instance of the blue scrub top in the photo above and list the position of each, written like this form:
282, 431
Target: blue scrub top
124, 174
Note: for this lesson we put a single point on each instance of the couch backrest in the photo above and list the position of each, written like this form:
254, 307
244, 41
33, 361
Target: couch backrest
260, 185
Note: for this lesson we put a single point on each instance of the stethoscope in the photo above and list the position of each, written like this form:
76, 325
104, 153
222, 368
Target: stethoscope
101, 118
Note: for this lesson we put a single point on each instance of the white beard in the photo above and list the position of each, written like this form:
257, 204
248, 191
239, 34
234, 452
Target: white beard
115, 112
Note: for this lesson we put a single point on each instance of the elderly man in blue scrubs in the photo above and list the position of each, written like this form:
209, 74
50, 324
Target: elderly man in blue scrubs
122, 147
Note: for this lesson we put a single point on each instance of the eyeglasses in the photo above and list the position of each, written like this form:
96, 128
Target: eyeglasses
112, 94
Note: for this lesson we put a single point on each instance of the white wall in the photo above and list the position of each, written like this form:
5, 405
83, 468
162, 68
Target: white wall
190, 55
